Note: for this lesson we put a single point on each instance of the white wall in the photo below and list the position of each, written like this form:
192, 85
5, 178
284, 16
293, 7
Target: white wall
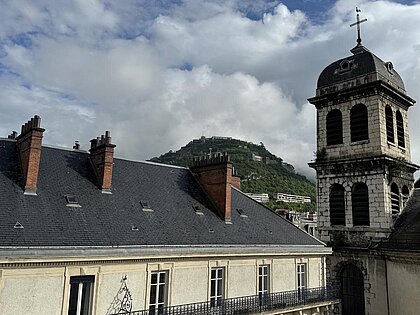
45, 290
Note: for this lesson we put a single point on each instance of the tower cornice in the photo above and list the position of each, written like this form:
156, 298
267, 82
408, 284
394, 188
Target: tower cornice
334, 96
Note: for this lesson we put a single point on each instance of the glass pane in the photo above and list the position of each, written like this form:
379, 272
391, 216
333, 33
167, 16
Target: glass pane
213, 288
86, 293
162, 276
265, 283
161, 293
220, 273
220, 288
74, 290
153, 294
213, 273
154, 278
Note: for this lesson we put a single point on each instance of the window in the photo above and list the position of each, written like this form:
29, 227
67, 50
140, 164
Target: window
158, 292
359, 123
81, 295
145, 206
301, 280
217, 286
242, 213
405, 194
334, 127
360, 204
337, 205
389, 120
400, 129
395, 200
198, 210
263, 280
72, 201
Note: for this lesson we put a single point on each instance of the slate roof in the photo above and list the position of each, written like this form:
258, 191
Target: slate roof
406, 234
117, 219
365, 63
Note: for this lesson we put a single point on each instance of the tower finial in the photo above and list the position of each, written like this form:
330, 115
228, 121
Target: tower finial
359, 39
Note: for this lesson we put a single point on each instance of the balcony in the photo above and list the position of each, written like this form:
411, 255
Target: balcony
268, 304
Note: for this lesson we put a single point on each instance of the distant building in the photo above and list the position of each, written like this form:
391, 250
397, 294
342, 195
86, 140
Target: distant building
255, 157
293, 198
261, 198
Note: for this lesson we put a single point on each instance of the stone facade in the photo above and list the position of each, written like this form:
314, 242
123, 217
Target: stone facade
375, 163
42, 287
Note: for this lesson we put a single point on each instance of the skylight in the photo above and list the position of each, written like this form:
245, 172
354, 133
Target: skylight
72, 201
242, 213
18, 225
145, 206
198, 210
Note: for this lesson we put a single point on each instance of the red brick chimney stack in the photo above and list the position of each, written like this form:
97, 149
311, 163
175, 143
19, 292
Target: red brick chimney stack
236, 179
29, 144
102, 158
214, 173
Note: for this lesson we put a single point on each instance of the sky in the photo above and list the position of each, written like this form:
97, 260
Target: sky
160, 73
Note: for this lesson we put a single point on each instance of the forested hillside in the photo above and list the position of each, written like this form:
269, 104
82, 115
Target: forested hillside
259, 169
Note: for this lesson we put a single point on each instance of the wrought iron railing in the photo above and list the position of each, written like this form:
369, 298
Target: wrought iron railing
248, 304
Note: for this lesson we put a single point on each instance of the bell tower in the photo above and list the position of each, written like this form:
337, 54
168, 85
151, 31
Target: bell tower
363, 162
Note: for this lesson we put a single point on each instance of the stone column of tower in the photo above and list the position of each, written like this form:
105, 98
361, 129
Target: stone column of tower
363, 162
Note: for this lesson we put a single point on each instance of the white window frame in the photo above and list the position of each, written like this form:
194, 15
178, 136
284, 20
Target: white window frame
215, 280
81, 282
263, 279
161, 287
302, 279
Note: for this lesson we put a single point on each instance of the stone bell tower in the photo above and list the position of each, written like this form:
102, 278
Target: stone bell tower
363, 161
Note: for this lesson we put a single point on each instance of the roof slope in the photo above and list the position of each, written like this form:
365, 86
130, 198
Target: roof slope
117, 219
406, 235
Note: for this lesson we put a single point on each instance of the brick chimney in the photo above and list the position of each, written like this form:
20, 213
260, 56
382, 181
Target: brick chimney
236, 179
102, 158
214, 173
29, 144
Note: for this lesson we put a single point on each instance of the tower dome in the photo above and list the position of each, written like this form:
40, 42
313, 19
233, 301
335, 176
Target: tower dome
361, 68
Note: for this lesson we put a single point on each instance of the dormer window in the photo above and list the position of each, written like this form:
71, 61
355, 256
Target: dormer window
242, 213
198, 210
72, 201
145, 206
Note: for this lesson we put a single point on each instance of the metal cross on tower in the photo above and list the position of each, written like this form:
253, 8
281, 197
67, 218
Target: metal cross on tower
359, 40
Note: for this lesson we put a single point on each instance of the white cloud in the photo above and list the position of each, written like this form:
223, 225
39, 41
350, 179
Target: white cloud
87, 66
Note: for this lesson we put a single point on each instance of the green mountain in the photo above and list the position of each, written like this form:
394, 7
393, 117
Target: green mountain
259, 169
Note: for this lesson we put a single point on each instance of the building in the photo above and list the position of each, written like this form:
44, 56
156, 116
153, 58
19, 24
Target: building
88, 233
292, 198
261, 198
368, 205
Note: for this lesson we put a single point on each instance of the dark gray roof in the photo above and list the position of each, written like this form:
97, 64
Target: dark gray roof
117, 219
363, 63
406, 234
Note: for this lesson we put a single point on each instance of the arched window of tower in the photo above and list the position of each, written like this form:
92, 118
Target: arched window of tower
400, 129
395, 200
359, 123
405, 192
389, 119
337, 205
360, 204
334, 127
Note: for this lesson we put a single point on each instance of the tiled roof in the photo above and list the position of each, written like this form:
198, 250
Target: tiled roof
117, 219
406, 234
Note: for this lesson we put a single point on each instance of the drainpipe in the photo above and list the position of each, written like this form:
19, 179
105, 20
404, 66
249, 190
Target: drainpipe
386, 284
